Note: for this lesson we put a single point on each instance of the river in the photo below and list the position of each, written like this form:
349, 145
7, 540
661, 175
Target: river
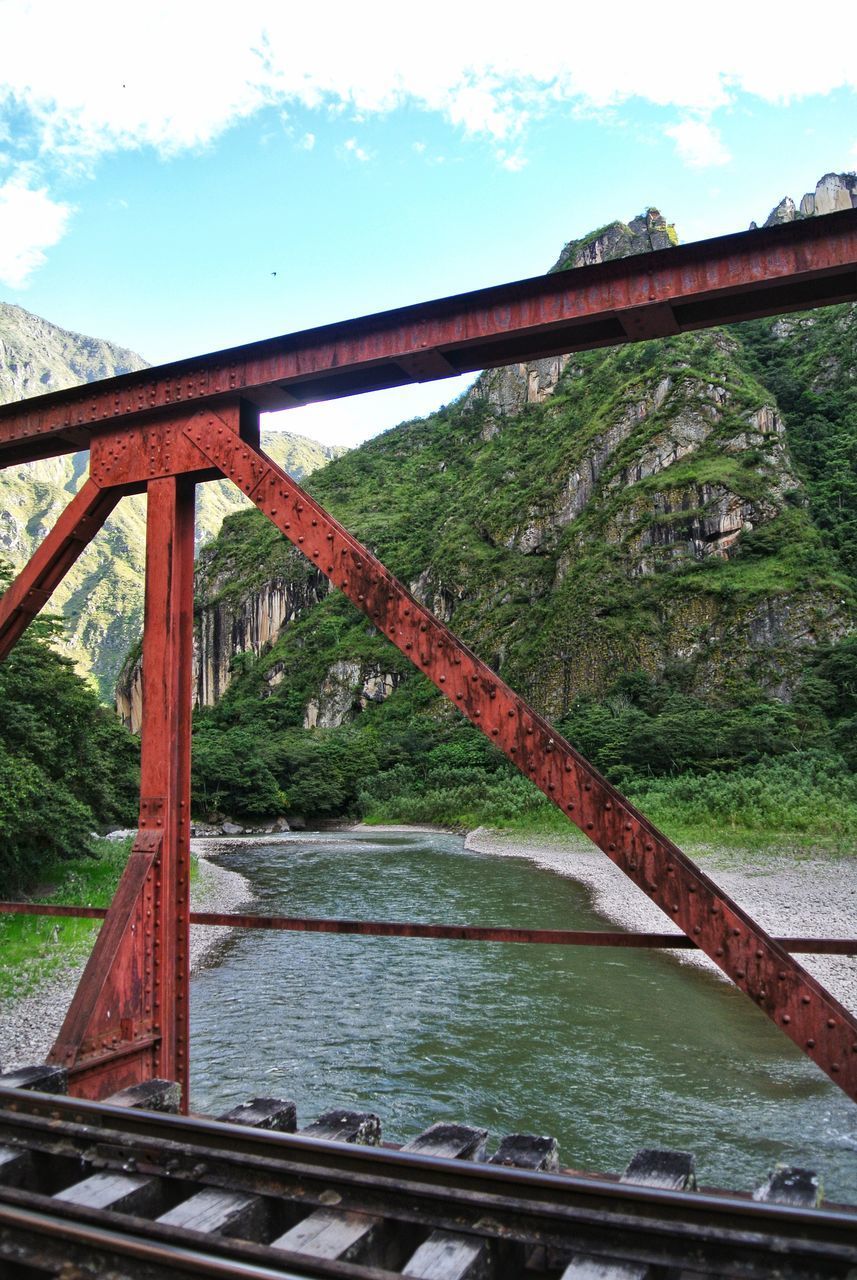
607, 1050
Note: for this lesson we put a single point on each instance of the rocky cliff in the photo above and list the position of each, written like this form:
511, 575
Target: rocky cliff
102, 596
637, 508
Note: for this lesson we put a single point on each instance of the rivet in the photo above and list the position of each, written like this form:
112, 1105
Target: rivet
510, 712
628, 826
786, 1019
810, 1044
782, 975
359, 597
719, 951
459, 696
633, 865
834, 1066
739, 973
587, 786
675, 906
736, 933
494, 732
804, 999
611, 847
570, 804
831, 1022
608, 805
443, 679
589, 826
759, 955
697, 930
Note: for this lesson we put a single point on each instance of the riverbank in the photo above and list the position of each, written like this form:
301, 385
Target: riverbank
789, 894
29, 1026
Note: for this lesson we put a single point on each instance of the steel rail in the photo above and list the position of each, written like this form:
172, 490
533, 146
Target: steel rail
96, 1243
722, 1233
453, 932
730, 278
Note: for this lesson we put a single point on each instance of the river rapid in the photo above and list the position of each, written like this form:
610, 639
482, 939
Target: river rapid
607, 1050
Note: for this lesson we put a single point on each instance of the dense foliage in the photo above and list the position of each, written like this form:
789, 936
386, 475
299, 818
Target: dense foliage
703, 684
67, 766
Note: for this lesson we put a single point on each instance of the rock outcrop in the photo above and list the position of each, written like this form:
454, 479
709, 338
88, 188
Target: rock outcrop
832, 192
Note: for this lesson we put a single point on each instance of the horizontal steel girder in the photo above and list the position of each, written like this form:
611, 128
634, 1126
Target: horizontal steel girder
785, 268
795, 1001
450, 932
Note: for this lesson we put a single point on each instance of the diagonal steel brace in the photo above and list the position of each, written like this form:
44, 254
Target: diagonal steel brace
793, 999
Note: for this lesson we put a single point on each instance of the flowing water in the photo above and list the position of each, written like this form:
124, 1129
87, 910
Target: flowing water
607, 1050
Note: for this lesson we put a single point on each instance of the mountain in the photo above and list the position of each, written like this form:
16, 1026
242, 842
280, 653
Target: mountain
102, 596
662, 505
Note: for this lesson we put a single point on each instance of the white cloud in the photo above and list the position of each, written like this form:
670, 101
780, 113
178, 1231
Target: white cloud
698, 144
175, 76
30, 222
181, 76
307, 142
353, 148
514, 162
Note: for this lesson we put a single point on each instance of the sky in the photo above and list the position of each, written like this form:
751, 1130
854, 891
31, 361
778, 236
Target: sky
185, 177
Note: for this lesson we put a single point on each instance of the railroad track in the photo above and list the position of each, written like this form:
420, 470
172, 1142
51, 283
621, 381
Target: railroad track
92, 1189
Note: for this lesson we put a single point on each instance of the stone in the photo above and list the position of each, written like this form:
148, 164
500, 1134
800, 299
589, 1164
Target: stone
784, 212
232, 829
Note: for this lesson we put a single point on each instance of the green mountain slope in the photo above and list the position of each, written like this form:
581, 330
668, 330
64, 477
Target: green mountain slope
666, 514
102, 596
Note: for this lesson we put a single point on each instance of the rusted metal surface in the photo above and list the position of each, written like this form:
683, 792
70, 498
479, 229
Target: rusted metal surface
452, 932
165, 758
785, 268
818, 1024
74, 530
106, 1040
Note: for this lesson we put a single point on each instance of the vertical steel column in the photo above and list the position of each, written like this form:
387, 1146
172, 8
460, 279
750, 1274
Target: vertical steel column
165, 763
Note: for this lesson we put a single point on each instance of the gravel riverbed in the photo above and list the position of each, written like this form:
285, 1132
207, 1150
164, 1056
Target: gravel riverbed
790, 894
28, 1027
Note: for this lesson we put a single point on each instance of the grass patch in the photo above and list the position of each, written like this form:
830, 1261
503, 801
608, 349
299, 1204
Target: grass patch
34, 948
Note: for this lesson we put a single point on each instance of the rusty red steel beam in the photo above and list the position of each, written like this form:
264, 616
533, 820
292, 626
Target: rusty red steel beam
106, 1010
165, 757
730, 278
451, 932
74, 530
790, 996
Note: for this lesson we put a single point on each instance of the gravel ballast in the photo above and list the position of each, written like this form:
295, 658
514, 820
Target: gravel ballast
28, 1027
